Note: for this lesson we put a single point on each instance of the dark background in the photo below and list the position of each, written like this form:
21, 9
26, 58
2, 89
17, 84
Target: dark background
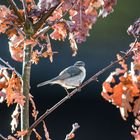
98, 119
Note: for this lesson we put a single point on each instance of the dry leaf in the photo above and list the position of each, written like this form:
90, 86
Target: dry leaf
13, 91
15, 119
126, 107
136, 107
34, 110
21, 133
46, 131
37, 134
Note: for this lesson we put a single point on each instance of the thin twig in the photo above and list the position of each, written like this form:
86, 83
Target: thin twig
93, 78
2, 137
16, 10
10, 67
28, 26
47, 28
25, 9
71, 135
44, 18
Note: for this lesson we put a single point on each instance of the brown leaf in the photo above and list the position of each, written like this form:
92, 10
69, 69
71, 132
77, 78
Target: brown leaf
35, 57
34, 110
73, 44
16, 45
13, 91
126, 106
21, 133
60, 32
136, 107
37, 134
46, 131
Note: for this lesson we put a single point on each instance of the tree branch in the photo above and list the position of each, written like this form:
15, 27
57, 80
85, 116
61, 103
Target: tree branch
28, 26
2, 137
10, 67
93, 78
26, 71
16, 10
44, 18
47, 28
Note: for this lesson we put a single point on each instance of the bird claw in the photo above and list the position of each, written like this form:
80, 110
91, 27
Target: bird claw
68, 94
78, 89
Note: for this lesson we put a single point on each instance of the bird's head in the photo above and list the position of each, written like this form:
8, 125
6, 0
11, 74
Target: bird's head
80, 64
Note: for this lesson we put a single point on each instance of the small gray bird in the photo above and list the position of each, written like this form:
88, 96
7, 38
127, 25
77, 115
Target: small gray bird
70, 78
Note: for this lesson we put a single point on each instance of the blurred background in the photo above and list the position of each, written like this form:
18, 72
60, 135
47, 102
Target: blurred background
98, 119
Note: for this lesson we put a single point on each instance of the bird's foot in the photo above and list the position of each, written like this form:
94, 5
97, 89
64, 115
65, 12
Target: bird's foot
68, 94
78, 89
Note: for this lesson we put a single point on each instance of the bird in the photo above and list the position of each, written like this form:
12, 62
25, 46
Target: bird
69, 78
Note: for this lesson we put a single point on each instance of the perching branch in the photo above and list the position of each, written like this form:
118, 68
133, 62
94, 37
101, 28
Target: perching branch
93, 78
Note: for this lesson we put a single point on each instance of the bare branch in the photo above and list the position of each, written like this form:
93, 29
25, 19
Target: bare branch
93, 78
2, 137
10, 67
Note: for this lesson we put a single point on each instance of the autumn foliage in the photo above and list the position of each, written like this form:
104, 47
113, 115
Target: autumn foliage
60, 20
124, 92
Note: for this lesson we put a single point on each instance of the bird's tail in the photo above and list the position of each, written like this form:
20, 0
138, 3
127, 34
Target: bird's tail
52, 81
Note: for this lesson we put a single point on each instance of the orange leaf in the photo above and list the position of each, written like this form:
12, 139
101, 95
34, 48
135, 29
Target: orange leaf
126, 106
16, 53
13, 91
21, 133
136, 107
46, 131
70, 136
107, 87
59, 32
117, 94
37, 134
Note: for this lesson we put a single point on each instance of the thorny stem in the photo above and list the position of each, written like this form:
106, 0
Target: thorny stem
93, 78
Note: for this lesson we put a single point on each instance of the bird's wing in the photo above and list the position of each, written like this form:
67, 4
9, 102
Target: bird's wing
69, 72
